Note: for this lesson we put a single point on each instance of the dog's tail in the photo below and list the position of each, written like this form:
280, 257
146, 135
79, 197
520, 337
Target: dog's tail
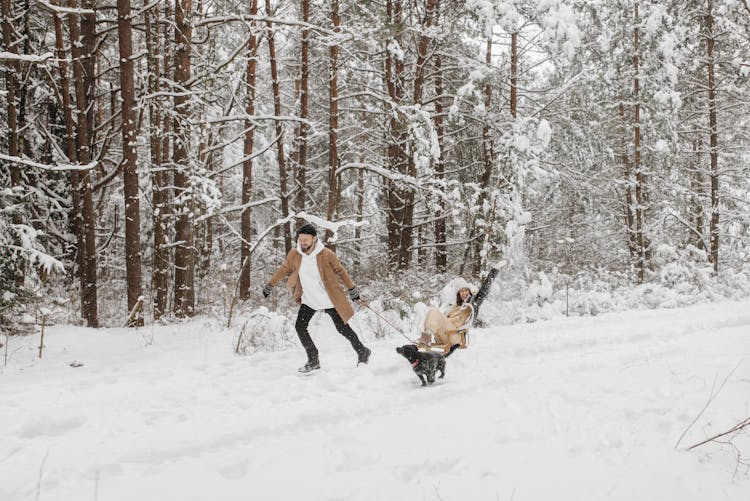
453, 348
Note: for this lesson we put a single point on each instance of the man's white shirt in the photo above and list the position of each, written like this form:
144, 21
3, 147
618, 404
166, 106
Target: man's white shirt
314, 292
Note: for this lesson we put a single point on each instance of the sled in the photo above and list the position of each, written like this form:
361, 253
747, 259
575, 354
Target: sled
445, 348
463, 334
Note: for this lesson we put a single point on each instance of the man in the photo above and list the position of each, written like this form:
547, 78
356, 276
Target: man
314, 272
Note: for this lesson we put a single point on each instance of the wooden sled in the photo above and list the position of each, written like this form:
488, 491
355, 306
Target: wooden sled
445, 348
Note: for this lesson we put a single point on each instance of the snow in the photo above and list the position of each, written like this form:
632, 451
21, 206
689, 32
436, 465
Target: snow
655, 19
661, 146
485, 11
559, 23
26, 58
395, 50
322, 224
544, 133
570, 409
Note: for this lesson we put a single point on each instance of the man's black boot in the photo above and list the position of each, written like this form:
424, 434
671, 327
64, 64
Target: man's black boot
364, 356
310, 366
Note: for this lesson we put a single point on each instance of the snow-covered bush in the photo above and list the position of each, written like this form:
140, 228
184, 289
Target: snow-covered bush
263, 330
684, 269
24, 265
590, 302
680, 278
385, 318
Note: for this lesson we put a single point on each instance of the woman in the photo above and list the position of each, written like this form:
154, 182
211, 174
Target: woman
444, 327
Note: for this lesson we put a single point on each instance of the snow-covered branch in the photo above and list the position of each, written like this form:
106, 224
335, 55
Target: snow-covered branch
25, 58
249, 205
26, 244
262, 19
54, 168
242, 118
57, 9
329, 225
397, 177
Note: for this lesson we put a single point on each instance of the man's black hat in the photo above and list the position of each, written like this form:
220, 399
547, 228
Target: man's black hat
307, 229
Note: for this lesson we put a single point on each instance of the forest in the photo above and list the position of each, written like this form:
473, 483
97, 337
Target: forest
157, 157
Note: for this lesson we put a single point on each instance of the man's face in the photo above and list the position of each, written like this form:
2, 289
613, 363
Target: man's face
306, 242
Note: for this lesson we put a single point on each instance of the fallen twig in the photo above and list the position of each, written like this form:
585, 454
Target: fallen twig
710, 399
733, 429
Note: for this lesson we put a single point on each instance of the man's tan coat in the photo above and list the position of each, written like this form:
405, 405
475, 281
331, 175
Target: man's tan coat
330, 270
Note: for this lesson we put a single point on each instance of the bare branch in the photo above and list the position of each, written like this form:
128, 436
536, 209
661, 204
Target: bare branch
710, 399
733, 429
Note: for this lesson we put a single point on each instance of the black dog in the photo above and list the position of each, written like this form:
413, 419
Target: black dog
425, 363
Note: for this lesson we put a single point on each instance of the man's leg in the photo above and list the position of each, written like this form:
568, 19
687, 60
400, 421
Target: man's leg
346, 331
304, 316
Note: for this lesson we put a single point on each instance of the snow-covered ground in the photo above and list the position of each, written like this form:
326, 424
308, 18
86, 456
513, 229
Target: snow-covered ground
572, 409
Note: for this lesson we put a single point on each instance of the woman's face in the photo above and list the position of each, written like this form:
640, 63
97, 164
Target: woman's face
464, 293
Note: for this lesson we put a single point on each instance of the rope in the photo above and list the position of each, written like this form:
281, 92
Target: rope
381, 317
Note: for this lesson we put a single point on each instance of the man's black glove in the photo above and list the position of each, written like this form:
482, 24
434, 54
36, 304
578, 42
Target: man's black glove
354, 294
267, 290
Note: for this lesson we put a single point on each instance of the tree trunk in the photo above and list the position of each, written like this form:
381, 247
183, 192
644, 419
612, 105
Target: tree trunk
714, 135
12, 88
205, 228
247, 165
441, 255
628, 174
284, 192
421, 245
89, 306
360, 211
697, 192
333, 118
88, 38
513, 73
159, 181
400, 199
24, 146
184, 259
488, 153
300, 150
640, 177
167, 145
70, 142
425, 40
130, 162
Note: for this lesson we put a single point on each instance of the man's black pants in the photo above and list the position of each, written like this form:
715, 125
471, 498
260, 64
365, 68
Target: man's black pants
304, 316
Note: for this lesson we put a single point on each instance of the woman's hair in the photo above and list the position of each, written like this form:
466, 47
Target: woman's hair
460, 301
